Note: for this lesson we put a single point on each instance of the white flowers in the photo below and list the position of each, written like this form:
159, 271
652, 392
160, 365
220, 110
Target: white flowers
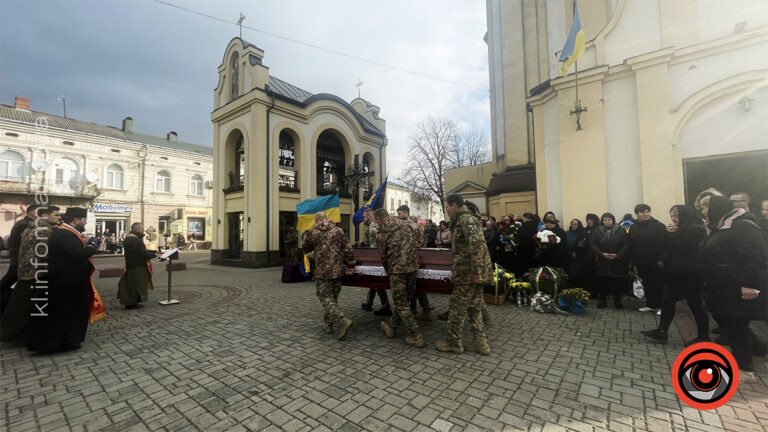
547, 236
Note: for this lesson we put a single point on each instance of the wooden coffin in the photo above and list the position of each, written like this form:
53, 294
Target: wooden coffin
432, 259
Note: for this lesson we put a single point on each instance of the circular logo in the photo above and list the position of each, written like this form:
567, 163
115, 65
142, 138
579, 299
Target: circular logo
705, 376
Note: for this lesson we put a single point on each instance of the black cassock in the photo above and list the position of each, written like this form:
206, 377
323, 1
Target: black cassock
68, 295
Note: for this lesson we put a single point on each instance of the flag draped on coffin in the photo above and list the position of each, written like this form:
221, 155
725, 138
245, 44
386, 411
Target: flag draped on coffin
574, 45
376, 201
308, 208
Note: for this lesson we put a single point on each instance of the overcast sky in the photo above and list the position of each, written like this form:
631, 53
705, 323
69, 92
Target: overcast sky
158, 64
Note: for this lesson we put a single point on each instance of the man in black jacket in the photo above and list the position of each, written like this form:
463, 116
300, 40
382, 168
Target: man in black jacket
14, 241
137, 279
70, 289
647, 243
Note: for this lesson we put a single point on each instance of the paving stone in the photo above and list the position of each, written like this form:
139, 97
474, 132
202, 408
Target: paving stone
244, 352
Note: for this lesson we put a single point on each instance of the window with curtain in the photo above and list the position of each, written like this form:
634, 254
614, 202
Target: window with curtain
12, 166
163, 181
114, 177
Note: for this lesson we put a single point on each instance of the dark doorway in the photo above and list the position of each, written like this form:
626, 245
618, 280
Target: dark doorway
235, 235
288, 236
728, 174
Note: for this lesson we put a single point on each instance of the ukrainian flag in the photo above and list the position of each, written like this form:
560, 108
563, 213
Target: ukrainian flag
376, 201
308, 208
574, 45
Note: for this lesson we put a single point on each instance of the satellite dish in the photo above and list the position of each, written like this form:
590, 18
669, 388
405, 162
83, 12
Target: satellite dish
40, 165
91, 177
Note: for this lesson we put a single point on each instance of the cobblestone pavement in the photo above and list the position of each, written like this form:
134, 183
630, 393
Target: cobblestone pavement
244, 352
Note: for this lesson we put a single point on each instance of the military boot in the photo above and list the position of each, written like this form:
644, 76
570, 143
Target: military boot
424, 316
415, 341
443, 316
389, 333
345, 325
449, 346
479, 346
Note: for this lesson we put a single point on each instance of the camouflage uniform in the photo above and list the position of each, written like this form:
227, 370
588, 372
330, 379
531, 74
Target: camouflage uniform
332, 250
370, 235
397, 246
415, 295
470, 258
370, 241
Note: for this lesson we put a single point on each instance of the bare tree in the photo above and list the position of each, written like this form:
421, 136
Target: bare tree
428, 156
472, 148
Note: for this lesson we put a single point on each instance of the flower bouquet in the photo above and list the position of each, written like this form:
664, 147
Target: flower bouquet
573, 300
520, 291
548, 282
495, 292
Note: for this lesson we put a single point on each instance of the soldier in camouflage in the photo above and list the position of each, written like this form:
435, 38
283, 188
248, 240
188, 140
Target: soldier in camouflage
397, 246
370, 241
404, 213
471, 270
332, 251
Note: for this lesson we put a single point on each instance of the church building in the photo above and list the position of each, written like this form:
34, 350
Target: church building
276, 145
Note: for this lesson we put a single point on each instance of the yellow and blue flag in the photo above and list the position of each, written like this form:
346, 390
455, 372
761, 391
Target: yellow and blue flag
574, 45
376, 201
308, 208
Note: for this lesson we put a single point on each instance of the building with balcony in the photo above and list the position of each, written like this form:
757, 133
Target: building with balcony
275, 145
120, 175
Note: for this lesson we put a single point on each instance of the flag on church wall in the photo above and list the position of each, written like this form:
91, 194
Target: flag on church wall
376, 201
308, 208
574, 45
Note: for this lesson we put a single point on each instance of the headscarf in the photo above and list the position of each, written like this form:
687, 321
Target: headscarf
688, 216
594, 218
719, 206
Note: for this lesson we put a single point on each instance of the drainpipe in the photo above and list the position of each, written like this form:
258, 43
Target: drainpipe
269, 186
141, 182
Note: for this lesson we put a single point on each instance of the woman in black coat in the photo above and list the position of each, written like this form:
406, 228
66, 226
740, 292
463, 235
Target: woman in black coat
610, 248
555, 254
526, 243
682, 267
735, 262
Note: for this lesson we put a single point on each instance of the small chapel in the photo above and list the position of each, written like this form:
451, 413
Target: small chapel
276, 145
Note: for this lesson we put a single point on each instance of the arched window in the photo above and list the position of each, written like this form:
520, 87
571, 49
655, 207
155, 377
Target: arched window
12, 166
114, 177
196, 185
287, 162
163, 181
66, 173
235, 76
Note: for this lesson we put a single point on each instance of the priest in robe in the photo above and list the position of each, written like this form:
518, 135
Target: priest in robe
137, 278
70, 294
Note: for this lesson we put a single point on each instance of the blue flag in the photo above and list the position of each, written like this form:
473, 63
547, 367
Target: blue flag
376, 201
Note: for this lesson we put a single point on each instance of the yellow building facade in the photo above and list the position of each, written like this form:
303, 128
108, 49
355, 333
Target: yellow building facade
275, 145
675, 96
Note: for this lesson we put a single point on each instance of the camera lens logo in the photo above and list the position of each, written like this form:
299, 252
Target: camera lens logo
705, 376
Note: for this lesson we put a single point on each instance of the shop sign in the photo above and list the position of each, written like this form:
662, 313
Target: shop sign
196, 212
111, 208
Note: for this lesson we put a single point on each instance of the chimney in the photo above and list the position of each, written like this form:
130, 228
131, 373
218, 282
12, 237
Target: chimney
128, 125
22, 103
172, 136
